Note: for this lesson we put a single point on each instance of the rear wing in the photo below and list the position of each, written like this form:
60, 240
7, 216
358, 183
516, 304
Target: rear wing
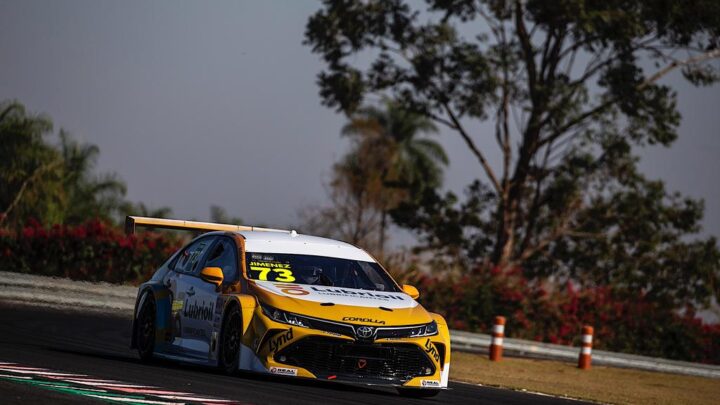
131, 223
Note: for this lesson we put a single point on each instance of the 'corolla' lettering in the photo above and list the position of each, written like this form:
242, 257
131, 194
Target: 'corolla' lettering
367, 320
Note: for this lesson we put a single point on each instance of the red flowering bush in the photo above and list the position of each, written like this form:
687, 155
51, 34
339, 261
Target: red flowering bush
542, 311
93, 251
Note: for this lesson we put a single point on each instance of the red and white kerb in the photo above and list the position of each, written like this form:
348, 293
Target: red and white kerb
586, 349
496, 345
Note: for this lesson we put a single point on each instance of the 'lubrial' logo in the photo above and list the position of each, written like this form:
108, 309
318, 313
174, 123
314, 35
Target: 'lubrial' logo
200, 311
342, 291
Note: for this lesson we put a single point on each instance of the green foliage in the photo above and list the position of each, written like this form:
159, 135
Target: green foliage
569, 89
389, 162
53, 183
556, 313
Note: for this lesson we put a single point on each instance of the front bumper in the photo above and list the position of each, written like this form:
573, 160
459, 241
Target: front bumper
343, 360
421, 362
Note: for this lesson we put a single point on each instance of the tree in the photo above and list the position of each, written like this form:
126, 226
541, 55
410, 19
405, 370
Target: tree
572, 87
389, 161
219, 215
25, 160
142, 210
84, 193
388, 143
51, 183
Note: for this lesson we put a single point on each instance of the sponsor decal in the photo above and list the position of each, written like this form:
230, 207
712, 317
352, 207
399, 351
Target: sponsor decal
199, 310
339, 295
292, 289
362, 363
283, 371
430, 383
280, 339
366, 320
356, 293
432, 351
177, 305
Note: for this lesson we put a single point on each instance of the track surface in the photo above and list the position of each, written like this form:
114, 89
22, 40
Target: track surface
97, 343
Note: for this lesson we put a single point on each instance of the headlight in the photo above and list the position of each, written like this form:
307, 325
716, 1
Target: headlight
431, 329
285, 317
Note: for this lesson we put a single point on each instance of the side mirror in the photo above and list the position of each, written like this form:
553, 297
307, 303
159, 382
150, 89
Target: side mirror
212, 275
411, 291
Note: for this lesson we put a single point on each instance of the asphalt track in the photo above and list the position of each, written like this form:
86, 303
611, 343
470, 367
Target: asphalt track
96, 344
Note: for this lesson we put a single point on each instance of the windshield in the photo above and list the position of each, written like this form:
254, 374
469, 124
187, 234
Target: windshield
318, 270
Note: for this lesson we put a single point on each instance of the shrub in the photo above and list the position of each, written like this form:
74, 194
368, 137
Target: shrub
623, 322
92, 251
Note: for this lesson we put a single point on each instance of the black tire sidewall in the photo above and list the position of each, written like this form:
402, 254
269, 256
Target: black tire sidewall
232, 366
146, 353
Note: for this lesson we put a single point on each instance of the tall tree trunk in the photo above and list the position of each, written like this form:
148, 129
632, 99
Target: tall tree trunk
510, 205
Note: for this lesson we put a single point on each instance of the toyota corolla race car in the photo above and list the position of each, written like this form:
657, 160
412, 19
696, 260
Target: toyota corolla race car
273, 301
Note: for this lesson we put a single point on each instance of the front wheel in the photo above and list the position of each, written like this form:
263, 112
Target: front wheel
230, 338
417, 392
145, 328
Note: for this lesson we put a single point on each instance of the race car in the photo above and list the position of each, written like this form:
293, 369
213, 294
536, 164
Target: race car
278, 302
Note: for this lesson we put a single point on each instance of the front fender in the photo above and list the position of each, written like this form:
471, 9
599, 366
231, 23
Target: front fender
246, 303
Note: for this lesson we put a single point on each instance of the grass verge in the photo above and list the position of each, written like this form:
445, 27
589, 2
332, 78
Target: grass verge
601, 384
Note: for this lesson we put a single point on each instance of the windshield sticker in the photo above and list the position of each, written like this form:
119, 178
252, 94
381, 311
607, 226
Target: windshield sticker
271, 271
342, 296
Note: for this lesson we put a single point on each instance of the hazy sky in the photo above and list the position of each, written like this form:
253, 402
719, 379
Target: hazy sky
200, 103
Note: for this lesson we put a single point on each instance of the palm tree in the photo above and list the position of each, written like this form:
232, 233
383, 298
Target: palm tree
85, 194
388, 143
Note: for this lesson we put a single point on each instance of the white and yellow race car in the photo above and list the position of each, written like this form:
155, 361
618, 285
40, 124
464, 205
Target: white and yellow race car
274, 301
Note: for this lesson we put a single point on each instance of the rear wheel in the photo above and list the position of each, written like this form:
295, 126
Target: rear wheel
230, 341
417, 392
145, 328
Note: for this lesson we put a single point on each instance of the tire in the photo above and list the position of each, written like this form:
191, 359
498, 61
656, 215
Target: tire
145, 328
230, 339
417, 392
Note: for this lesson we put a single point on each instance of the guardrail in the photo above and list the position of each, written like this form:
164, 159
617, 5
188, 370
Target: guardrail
62, 292
479, 343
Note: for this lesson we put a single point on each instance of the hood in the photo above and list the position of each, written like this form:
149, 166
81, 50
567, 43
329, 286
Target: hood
348, 305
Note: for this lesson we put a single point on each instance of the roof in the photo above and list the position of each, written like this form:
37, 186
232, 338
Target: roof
294, 243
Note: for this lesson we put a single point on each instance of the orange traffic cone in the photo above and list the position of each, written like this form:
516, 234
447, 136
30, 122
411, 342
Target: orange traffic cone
496, 345
586, 349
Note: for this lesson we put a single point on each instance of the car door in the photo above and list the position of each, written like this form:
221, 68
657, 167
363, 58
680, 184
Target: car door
224, 255
191, 298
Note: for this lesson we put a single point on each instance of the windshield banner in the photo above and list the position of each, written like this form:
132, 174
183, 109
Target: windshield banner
339, 295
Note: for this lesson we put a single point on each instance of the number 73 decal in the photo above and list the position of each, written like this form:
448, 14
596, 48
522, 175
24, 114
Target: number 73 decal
272, 271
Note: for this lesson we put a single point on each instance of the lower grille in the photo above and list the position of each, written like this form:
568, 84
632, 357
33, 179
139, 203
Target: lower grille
385, 362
